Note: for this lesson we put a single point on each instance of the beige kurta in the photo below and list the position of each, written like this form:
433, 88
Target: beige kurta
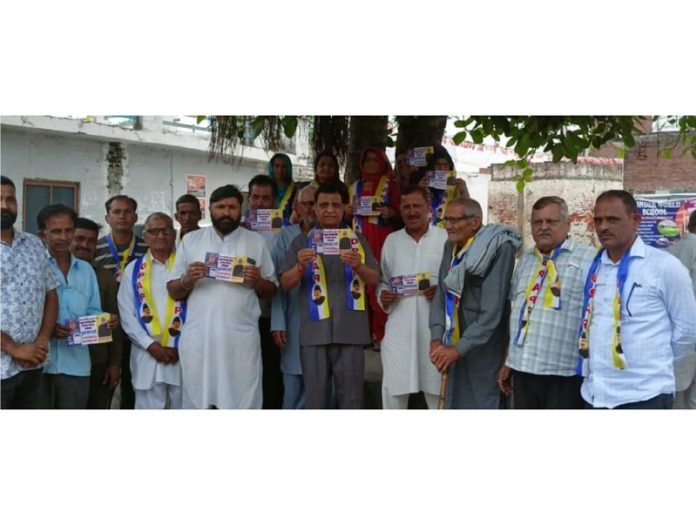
220, 349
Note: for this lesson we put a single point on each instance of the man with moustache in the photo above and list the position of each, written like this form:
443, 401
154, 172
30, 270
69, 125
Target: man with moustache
105, 357
638, 314
188, 214
546, 293
285, 312
29, 307
416, 248
220, 348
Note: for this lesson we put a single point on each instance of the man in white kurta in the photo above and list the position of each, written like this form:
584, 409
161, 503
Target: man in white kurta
415, 249
220, 348
155, 367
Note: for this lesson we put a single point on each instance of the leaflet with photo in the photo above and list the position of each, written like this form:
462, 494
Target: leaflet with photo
440, 179
89, 330
368, 206
265, 220
332, 241
417, 156
407, 285
229, 268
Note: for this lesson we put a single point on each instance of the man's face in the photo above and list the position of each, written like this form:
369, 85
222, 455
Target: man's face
159, 235
329, 210
261, 197
460, 228
84, 244
121, 216
549, 229
414, 212
8, 206
616, 227
188, 214
58, 234
305, 207
226, 215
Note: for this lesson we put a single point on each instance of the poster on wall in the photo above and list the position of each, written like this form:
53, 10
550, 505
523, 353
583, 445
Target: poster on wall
664, 218
195, 185
202, 204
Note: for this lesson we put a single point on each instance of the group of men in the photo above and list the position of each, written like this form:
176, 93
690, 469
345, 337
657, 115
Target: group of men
567, 327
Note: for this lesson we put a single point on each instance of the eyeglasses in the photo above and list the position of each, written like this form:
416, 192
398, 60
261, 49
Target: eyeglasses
156, 232
456, 219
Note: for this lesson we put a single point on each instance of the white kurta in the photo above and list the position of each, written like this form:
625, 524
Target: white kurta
146, 370
220, 347
406, 344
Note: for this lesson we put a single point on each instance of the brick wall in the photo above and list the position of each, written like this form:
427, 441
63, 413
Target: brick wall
645, 171
579, 184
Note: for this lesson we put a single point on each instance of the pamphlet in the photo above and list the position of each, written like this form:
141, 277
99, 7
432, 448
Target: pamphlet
408, 285
417, 156
89, 330
228, 268
333, 241
441, 179
265, 220
368, 206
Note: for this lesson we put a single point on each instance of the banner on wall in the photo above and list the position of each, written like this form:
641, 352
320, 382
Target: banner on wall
195, 185
664, 218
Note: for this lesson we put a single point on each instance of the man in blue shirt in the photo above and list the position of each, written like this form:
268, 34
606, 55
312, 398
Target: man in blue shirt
67, 371
29, 308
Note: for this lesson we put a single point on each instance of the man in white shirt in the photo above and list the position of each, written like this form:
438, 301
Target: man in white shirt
220, 346
405, 348
638, 314
685, 367
152, 319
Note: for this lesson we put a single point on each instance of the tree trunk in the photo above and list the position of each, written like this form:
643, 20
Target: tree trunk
420, 131
364, 132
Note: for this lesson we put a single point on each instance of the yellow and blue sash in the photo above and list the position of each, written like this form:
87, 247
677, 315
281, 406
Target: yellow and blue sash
121, 260
381, 195
452, 328
146, 308
285, 204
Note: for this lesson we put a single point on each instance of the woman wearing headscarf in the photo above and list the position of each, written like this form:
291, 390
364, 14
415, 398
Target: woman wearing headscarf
280, 170
440, 160
377, 183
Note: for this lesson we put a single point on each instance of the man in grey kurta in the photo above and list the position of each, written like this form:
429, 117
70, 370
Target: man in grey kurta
331, 347
480, 274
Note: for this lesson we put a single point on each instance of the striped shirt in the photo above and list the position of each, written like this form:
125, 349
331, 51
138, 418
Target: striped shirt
103, 257
551, 345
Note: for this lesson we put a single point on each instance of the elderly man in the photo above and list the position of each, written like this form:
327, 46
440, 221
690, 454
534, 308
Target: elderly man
469, 315
220, 344
29, 308
68, 368
285, 313
638, 314
685, 367
155, 355
546, 293
415, 249
105, 357
188, 214
334, 328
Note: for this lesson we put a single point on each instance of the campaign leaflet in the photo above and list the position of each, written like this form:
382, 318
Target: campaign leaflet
368, 206
89, 330
229, 268
265, 220
417, 156
440, 179
332, 241
408, 285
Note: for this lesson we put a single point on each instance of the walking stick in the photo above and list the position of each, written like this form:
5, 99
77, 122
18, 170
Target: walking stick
443, 389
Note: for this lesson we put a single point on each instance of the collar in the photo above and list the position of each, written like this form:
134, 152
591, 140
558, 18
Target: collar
73, 260
637, 249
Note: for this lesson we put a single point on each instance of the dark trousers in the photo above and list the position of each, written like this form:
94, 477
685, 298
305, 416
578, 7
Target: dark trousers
546, 391
272, 378
22, 391
345, 364
99, 394
127, 394
64, 391
661, 402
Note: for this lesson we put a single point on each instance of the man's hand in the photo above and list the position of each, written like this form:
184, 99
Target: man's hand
352, 259
194, 273
387, 213
29, 355
430, 293
157, 351
387, 298
442, 356
112, 376
60, 331
504, 377
305, 257
113, 321
280, 338
251, 274
348, 212
172, 354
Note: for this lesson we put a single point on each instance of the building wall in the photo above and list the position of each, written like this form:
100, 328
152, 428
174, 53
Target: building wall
579, 184
154, 175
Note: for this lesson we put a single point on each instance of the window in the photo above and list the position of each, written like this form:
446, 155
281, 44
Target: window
40, 192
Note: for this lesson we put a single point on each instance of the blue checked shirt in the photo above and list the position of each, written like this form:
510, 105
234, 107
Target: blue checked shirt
551, 345
27, 276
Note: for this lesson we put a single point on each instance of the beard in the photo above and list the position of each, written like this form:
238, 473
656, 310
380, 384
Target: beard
225, 225
8, 219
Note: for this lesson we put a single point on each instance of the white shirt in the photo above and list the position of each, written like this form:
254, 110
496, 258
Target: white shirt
146, 370
219, 347
658, 323
406, 344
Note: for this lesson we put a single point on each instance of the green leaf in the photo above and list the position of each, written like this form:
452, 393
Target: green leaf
629, 140
459, 137
522, 163
459, 124
667, 154
520, 186
510, 163
510, 142
200, 118
477, 136
527, 175
289, 126
257, 126
622, 153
